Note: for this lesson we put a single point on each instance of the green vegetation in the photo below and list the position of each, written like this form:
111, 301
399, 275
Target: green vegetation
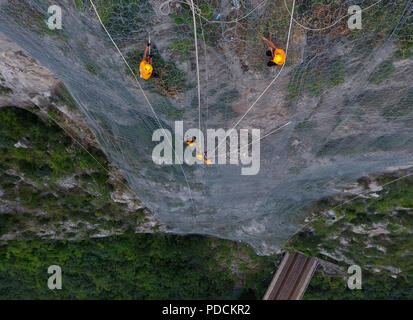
357, 144
62, 97
91, 68
306, 126
382, 72
316, 79
294, 170
166, 108
381, 21
404, 37
335, 73
294, 85
207, 11
395, 102
124, 19
184, 20
330, 75
401, 108
79, 4
405, 50
166, 77
33, 19
133, 267
182, 47
5, 90
48, 146
387, 18
315, 82
313, 4
374, 232
34, 176
374, 286
184, 15
129, 266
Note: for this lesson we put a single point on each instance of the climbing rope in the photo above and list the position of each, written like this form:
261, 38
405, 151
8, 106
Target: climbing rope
197, 65
333, 24
206, 74
271, 83
263, 137
143, 93
198, 11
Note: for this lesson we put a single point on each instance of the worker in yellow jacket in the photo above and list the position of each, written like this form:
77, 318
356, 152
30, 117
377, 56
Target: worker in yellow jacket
191, 142
207, 160
277, 54
145, 68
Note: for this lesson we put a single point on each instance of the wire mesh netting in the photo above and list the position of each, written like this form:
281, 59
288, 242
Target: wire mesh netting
345, 95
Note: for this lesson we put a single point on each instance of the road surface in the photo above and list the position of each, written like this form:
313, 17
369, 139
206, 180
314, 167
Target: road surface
292, 277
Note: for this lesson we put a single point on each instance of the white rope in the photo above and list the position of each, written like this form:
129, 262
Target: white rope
168, 2
362, 193
163, 5
351, 199
206, 74
365, 192
197, 65
264, 136
87, 151
271, 83
143, 93
332, 25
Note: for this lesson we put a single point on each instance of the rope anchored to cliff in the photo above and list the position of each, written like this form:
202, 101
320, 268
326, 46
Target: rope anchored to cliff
143, 93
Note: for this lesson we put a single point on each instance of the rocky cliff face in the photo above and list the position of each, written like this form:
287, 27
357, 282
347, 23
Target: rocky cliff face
345, 94
55, 181
372, 230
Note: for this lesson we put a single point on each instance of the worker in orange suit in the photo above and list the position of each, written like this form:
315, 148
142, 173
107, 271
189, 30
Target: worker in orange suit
277, 54
145, 68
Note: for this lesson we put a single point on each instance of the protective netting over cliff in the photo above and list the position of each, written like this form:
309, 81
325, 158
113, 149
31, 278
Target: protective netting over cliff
339, 109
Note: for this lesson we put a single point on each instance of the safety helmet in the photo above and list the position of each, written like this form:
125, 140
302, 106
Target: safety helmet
278, 59
148, 68
199, 156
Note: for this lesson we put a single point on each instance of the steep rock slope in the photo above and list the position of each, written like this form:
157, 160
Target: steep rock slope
345, 94
55, 181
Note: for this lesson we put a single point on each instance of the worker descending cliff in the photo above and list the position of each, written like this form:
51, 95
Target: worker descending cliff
277, 54
145, 67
